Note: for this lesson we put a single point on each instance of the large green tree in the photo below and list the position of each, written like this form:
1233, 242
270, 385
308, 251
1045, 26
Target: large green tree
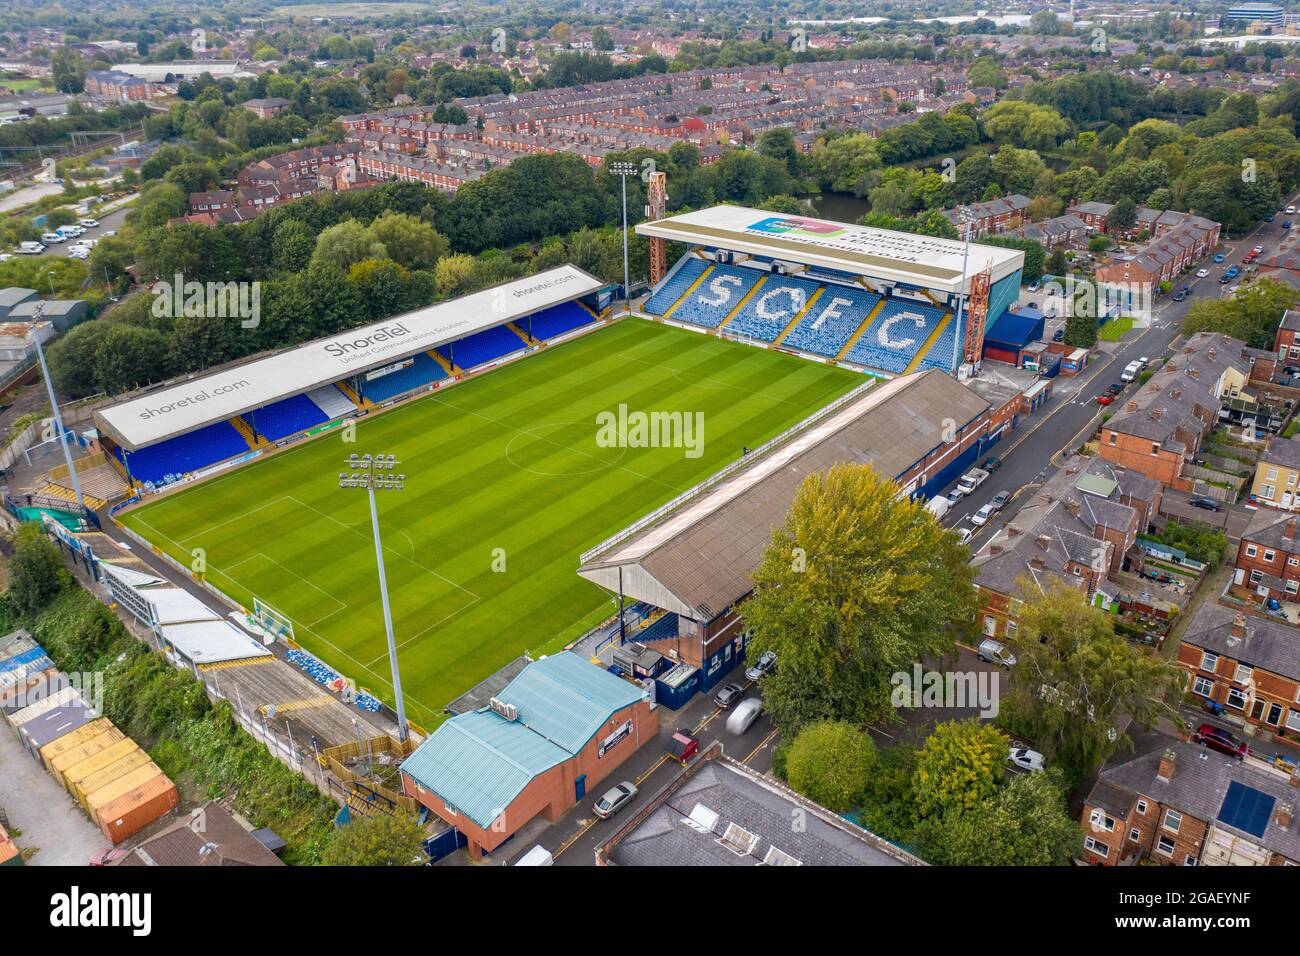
856, 585
959, 766
828, 762
381, 840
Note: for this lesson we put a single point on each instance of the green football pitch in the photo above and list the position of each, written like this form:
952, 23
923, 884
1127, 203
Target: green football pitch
507, 482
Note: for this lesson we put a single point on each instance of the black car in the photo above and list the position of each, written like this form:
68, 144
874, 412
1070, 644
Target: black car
1269, 218
728, 696
1058, 335
1180, 295
1115, 388
1291, 370
992, 464
1209, 504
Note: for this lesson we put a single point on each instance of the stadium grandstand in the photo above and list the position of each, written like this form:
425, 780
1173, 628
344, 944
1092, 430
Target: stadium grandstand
877, 300
185, 430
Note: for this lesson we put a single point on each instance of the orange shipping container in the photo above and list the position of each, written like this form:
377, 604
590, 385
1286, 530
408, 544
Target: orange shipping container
72, 741
95, 745
73, 776
124, 784
136, 809
29, 687
106, 774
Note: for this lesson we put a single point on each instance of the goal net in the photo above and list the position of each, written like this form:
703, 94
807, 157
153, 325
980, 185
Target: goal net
274, 624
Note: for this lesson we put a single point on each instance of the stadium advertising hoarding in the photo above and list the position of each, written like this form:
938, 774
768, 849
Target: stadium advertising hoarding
924, 261
179, 408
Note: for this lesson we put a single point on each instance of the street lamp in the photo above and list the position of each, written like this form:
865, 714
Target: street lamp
371, 473
37, 315
966, 216
624, 170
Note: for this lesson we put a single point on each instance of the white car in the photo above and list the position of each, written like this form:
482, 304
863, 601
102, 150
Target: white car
761, 667
1022, 758
70, 231
49, 237
1202, 273
1144, 360
964, 534
109, 233
81, 254
89, 223
981, 517
1290, 209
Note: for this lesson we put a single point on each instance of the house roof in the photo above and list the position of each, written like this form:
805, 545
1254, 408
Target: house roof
1282, 451
221, 841
1267, 644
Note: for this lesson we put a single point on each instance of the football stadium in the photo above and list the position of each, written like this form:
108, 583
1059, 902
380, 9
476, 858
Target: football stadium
510, 481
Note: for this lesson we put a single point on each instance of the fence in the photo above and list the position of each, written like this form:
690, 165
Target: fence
364, 786
26, 438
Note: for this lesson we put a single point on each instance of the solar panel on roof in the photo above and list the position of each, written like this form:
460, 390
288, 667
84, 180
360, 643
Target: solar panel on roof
1246, 809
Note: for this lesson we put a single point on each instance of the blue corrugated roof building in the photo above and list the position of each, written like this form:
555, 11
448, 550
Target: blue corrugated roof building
479, 762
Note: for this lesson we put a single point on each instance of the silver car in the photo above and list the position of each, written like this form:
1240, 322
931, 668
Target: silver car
761, 667
614, 799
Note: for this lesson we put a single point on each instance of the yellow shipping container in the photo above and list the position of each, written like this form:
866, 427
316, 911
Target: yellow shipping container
108, 773
122, 785
71, 741
93, 764
97, 744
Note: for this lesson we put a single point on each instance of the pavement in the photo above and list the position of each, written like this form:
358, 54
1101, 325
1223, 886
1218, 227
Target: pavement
47, 818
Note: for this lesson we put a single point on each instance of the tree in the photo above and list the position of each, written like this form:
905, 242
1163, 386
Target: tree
828, 762
1024, 124
601, 39
984, 71
409, 241
959, 766
36, 570
130, 356
72, 359
380, 840
1251, 315
1122, 216
293, 246
1026, 823
1076, 678
1080, 328
346, 243
856, 585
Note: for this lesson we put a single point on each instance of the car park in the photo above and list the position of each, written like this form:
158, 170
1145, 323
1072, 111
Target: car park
1209, 504
1202, 273
614, 799
1022, 758
762, 667
1216, 738
728, 696
743, 717
995, 652
983, 516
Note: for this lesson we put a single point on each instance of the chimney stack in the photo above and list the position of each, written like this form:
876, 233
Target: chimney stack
1284, 816
1295, 777
1166, 771
1036, 562
1044, 542
1155, 412
1131, 407
1238, 625
1072, 506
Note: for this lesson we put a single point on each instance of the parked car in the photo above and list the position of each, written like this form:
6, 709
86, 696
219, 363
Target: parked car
90, 223
992, 463
938, 506
1216, 738
1209, 504
1058, 335
1218, 257
1180, 295
995, 652
1114, 388
1287, 224
972, 480
1269, 218
728, 696
1000, 500
1025, 759
1202, 273
1257, 250
1131, 371
953, 496
52, 237
614, 799
964, 534
983, 516
1105, 398
31, 248
1143, 360
762, 667
72, 232
1291, 370
743, 717
1290, 210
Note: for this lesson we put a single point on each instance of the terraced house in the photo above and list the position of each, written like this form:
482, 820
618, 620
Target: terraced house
1268, 557
1160, 429
1277, 475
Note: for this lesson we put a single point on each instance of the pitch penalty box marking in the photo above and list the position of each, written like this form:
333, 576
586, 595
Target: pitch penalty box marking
342, 605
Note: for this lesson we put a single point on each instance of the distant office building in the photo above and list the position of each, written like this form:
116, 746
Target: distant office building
1255, 13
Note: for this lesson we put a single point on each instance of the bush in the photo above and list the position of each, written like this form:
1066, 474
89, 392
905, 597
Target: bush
829, 762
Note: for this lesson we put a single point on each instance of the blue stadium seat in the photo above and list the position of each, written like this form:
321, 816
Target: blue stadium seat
557, 320
423, 371
671, 289
171, 459
773, 307
714, 299
482, 347
939, 355
286, 417
896, 335
831, 322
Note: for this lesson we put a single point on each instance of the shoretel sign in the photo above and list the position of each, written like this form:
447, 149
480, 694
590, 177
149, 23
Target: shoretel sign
386, 334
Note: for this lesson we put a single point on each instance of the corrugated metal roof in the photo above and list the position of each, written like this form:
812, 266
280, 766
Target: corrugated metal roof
566, 699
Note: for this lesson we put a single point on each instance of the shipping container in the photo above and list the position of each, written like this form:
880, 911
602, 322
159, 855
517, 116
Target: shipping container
22, 647
105, 795
67, 697
113, 770
72, 741
111, 754
32, 688
136, 809
10, 639
49, 727
94, 744
10, 855
18, 675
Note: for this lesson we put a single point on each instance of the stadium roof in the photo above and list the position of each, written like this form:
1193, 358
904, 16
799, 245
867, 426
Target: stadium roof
883, 254
174, 409
697, 560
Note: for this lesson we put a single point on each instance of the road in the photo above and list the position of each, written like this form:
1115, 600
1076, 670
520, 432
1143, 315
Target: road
1068, 422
